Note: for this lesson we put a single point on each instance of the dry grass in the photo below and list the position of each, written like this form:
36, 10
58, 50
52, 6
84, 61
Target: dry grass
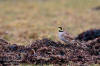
25, 20
22, 21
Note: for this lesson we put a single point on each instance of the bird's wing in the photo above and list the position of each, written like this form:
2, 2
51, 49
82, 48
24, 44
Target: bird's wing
68, 36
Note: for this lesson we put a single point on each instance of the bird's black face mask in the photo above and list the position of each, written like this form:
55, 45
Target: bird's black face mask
60, 29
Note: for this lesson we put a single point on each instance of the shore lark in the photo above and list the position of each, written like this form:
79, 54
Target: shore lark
69, 39
65, 36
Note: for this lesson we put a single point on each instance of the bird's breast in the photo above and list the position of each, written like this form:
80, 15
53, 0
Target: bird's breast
60, 35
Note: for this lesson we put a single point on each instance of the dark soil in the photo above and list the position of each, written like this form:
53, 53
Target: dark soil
88, 35
46, 51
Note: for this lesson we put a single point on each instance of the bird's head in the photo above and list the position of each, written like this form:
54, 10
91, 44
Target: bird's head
60, 29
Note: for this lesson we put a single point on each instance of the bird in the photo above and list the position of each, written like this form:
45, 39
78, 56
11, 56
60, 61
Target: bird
64, 35
69, 39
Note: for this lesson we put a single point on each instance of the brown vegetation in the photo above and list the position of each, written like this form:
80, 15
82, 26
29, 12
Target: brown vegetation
46, 51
